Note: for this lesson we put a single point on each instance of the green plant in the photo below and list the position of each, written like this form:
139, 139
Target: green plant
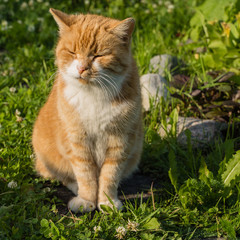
216, 26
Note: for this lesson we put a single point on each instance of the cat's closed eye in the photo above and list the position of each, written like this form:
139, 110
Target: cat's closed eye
97, 56
71, 52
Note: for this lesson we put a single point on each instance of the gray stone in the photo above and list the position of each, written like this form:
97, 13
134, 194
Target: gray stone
152, 86
160, 63
203, 132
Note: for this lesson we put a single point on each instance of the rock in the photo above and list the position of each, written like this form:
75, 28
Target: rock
152, 86
203, 132
160, 63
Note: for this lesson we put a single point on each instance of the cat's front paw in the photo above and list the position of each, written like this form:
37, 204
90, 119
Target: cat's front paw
77, 204
117, 204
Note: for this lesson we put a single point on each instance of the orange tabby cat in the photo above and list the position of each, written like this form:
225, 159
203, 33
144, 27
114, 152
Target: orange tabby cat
88, 135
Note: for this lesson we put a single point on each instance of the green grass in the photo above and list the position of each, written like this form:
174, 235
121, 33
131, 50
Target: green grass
200, 190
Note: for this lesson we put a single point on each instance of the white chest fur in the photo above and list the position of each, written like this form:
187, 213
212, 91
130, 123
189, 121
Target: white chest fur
95, 112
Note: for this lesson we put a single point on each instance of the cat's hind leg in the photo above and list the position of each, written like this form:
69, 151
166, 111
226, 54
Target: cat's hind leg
134, 156
63, 174
41, 168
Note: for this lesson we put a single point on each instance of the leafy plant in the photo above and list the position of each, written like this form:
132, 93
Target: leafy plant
215, 26
208, 188
232, 172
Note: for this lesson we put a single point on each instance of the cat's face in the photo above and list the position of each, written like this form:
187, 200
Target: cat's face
93, 49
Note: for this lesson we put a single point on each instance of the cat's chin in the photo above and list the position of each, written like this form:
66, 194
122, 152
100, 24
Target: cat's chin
75, 80
83, 80
86, 80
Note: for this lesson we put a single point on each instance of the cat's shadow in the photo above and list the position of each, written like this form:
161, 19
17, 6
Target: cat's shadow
138, 186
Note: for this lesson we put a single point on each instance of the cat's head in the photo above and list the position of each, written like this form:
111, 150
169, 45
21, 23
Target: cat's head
93, 49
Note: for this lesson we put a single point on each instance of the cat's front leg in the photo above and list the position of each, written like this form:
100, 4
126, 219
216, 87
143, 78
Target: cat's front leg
111, 173
85, 171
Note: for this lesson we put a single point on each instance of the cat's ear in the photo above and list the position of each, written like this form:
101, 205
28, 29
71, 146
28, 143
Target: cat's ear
63, 20
124, 29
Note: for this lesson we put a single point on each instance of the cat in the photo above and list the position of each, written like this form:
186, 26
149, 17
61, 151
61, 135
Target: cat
89, 134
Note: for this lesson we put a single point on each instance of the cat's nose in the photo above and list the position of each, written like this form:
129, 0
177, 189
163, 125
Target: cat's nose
82, 68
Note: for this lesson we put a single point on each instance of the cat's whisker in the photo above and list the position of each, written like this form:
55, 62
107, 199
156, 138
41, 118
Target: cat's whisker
100, 83
52, 76
109, 93
119, 95
106, 93
110, 81
109, 90
99, 78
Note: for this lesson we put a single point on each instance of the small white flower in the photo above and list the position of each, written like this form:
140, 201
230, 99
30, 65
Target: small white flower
19, 119
17, 112
31, 28
7, 59
23, 6
12, 184
31, 2
121, 232
132, 226
147, 11
19, 21
97, 229
167, 3
5, 73
39, 1
170, 8
47, 189
12, 89
4, 23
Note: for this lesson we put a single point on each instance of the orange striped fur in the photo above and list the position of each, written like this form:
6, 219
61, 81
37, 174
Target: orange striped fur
88, 135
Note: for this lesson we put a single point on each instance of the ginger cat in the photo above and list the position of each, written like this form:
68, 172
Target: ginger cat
88, 135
